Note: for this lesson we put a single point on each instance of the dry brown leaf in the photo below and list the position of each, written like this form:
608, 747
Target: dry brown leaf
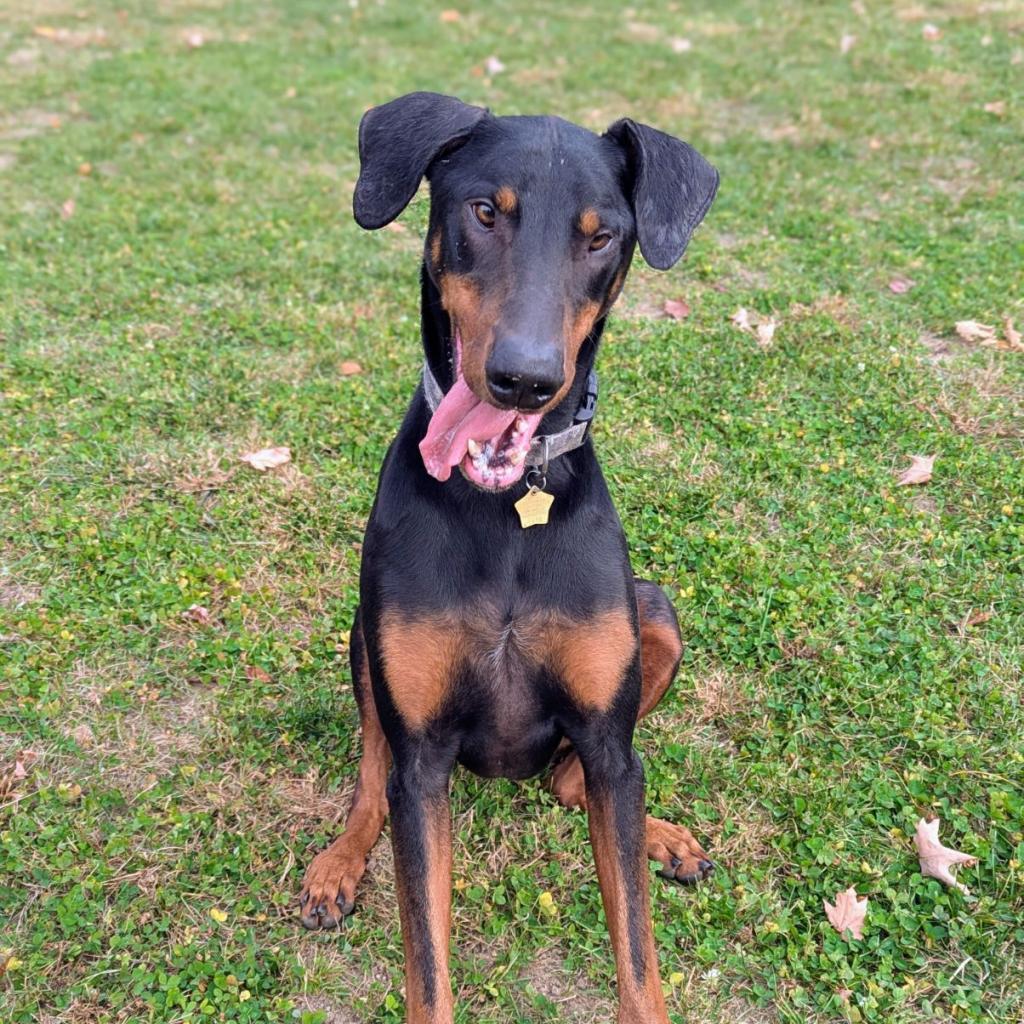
193, 38
919, 471
197, 613
678, 309
1012, 335
974, 618
971, 330
449, 17
847, 42
67, 210
900, 285
255, 674
997, 107
680, 45
267, 458
83, 735
765, 332
493, 65
741, 318
848, 913
938, 860
931, 32
349, 368
85, 169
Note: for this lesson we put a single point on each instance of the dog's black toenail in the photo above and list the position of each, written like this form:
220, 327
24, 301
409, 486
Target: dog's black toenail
346, 907
706, 866
675, 863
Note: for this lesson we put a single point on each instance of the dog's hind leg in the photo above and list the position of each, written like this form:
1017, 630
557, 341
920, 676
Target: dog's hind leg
673, 846
329, 887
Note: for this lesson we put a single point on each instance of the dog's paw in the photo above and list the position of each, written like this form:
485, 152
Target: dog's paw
681, 857
329, 889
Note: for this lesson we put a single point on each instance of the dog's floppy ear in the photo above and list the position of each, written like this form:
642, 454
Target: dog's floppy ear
672, 188
397, 142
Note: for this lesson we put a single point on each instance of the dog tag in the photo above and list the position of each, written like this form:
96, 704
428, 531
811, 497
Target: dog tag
533, 507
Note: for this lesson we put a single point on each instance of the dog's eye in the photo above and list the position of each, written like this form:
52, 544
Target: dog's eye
600, 241
484, 213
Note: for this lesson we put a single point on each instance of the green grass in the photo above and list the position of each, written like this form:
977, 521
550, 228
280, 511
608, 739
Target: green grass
200, 299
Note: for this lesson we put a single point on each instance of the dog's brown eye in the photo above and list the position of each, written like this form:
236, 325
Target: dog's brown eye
484, 213
600, 241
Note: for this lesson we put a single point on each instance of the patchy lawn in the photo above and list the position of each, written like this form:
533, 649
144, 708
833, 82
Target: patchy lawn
181, 281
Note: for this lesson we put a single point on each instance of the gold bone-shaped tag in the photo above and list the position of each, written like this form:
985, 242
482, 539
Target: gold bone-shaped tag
533, 507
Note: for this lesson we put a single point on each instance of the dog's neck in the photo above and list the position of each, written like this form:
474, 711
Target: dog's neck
436, 331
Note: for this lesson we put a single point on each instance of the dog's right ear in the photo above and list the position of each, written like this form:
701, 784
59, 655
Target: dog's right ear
397, 143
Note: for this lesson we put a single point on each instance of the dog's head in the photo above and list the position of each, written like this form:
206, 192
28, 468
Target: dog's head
533, 222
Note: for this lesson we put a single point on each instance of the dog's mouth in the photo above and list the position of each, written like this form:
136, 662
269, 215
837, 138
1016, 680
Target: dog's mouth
488, 444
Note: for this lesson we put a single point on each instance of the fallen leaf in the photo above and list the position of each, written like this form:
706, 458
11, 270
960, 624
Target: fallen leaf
997, 107
291, 92
936, 859
1013, 337
83, 735
931, 32
971, 330
255, 674
765, 332
900, 285
85, 169
349, 368
450, 17
67, 210
919, 471
848, 913
678, 309
493, 65
846, 42
741, 318
267, 458
197, 613
19, 770
193, 38
681, 45
974, 618
874, 143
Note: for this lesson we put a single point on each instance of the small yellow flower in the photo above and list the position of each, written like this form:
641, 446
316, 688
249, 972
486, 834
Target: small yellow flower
1007, 510
547, 904
244, 995
675, 979
218, 915
824, 468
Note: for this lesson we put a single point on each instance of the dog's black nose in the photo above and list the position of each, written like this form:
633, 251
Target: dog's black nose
524, 374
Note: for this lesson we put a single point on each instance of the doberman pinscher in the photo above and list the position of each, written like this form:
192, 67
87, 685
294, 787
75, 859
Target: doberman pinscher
499, 623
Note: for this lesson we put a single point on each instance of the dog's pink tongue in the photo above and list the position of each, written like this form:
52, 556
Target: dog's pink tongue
460, 418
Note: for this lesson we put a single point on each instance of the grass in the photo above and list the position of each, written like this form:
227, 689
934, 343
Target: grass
180, 280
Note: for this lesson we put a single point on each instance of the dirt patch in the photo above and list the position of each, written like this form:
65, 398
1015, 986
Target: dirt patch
28, 123
15, 595
335, 1012
576, 998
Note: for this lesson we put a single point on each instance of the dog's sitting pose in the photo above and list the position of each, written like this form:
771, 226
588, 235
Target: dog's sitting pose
499, 624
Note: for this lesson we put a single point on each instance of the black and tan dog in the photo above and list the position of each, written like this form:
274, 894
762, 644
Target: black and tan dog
479, 640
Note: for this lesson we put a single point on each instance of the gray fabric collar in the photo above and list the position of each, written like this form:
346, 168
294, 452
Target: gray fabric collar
545, 447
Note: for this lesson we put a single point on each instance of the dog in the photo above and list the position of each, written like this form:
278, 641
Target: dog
499, 624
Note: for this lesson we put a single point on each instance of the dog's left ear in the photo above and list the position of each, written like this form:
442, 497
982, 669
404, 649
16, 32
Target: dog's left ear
672, 188
398, 141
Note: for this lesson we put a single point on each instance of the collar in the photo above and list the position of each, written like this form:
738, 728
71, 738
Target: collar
544, 447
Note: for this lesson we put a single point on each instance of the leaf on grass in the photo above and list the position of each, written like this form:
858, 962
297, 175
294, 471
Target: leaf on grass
848, 913
255, 674
1012, 335
67, 210
680, 45
900, 285
267, 458
997, 107
931, 32
493, 65
847, 42
449, 17
919, 471
677, 309
761, 327
971, 330
975, 617
349, 368
193, 38
197, 613
938, 860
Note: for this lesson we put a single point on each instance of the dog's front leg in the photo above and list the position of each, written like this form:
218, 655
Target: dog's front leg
615, 806
421, 839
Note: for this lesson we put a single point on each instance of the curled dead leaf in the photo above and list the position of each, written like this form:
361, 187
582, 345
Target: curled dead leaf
741, 318
848, 913
937, 860
971, 330
349, 368
255, 674
761, 327
1013, 337
449, 17
67, 209
197, 613
267, 458
919, 471
765, 332
932, 33
677, 309
900, 285
996, 107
